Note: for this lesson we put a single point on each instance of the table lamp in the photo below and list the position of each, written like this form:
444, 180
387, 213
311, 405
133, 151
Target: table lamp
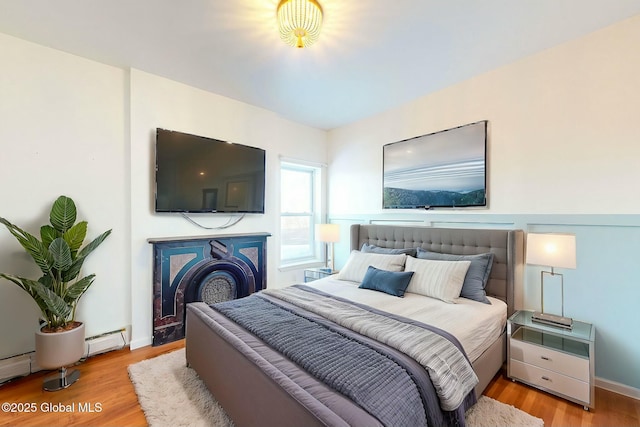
555, 251
329, 234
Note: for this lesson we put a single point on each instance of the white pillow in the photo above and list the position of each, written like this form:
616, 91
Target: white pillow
358, 263
437, 279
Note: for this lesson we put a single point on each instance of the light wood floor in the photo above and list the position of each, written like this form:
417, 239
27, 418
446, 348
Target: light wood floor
611, 409
105, 387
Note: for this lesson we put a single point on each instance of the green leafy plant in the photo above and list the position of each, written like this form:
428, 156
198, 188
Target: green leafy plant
59, 255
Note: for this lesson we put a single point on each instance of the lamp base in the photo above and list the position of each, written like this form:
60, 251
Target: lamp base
552, 320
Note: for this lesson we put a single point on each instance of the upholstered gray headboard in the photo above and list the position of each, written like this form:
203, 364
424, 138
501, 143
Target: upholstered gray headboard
506, 279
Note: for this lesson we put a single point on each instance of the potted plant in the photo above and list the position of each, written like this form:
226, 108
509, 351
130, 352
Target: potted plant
60, 255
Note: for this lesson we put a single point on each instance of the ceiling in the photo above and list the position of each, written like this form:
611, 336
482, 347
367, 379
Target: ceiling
372, 55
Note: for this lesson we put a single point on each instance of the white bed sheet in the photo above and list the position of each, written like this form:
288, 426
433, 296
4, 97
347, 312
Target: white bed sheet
476, 325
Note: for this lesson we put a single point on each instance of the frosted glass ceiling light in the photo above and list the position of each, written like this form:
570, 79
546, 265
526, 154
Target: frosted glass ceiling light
299, 22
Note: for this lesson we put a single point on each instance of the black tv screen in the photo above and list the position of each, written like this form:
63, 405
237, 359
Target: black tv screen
442, 169
198, 174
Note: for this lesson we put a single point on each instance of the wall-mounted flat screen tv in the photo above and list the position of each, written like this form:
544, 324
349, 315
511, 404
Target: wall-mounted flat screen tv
198, 174
446, 169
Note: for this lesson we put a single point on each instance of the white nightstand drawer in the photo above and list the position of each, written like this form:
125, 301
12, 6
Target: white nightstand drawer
556, 360
563, 363
550, 380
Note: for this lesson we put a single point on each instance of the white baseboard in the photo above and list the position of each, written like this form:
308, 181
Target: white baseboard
616, 387
139, 343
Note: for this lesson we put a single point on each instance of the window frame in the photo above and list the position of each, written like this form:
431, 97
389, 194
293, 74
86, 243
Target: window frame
316, 202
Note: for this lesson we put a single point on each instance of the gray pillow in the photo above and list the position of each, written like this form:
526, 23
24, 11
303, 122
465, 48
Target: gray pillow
373, 249
477, 276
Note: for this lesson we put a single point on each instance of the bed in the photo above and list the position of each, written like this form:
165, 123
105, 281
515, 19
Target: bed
258, 385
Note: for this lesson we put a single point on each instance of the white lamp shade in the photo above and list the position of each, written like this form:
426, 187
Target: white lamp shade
551, 250
328, 233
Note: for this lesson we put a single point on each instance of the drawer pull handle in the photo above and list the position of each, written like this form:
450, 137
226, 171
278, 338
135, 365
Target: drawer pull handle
544, 358
546, 378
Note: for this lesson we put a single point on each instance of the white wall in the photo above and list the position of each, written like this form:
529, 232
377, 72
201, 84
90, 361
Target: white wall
563, 131
158, 102
562, 157
77, 127
62, 131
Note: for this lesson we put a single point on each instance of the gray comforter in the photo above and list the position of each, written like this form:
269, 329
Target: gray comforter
402, 372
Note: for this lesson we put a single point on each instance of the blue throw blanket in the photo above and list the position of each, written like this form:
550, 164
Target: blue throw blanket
369, 373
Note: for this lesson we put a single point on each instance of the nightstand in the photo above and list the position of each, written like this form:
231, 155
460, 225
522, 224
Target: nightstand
553, 359
311, 274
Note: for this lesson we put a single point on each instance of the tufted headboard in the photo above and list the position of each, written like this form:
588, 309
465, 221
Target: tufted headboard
506, 279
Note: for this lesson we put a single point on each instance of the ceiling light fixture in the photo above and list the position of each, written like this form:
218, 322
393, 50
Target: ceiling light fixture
299, 21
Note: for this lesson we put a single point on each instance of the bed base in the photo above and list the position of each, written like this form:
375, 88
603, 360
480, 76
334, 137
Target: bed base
489, 363
236, 378
251, 397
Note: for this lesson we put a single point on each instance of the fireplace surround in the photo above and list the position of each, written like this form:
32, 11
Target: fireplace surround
203, 268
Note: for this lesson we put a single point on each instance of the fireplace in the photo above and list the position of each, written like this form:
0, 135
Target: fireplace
210, 269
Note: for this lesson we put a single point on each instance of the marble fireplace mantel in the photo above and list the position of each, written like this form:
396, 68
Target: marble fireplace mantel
202, 268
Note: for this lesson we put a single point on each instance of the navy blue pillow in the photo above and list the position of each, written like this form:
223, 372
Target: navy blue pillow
477, 275
389, 282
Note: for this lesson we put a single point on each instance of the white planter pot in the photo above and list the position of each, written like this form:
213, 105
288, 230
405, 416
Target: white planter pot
59, 349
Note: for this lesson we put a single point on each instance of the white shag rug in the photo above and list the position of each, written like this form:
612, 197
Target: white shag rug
171, 394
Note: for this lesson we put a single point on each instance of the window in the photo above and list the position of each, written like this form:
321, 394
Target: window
299, 212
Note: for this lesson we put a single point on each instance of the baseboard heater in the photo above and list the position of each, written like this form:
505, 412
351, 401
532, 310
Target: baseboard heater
114, 340
15, 366
25, 364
